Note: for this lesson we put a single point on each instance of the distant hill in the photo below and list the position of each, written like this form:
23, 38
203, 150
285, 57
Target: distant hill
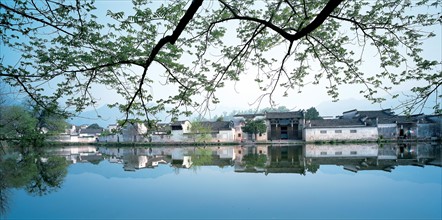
104, 116
337, 108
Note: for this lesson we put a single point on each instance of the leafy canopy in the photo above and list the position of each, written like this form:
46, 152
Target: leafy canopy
312, 114
67, 50
255, 127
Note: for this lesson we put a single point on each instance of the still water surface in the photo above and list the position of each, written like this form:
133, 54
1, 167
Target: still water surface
256, 182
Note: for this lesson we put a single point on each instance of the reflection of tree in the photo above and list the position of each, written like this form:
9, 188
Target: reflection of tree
201, 157
32, 170
312, 168
255, 160
4, 193
49, 177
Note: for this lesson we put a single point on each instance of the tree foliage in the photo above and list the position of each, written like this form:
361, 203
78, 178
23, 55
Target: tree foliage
16, 123
201, 157
200, 132
255, 127
29, 126
312, 114
64, 43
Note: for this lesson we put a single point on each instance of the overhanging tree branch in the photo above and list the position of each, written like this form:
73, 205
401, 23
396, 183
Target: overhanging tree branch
193, 8
320, 18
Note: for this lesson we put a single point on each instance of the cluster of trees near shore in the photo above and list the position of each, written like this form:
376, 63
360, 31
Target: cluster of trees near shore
28, 124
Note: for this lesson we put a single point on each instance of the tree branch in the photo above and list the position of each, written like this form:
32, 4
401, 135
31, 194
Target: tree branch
320, 18
34, 18
191, 11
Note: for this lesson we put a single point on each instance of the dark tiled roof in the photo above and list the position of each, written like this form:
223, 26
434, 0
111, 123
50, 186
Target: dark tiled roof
368, 114
217, 125
163, 127
177, 123
434, 118
274, 115
90, 131
248, 116
376, 114
334, 123
350, 111
405, 119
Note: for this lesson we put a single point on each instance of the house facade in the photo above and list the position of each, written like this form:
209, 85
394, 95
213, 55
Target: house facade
135, 132
391, 126
284, 125
351, 125
338, 129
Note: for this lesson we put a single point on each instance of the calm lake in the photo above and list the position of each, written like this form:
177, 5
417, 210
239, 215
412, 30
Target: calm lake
364, 181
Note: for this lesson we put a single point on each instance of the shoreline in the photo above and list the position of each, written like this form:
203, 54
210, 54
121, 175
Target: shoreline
249, 143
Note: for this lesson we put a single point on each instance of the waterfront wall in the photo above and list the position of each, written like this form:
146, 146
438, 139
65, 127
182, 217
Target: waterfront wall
350, 133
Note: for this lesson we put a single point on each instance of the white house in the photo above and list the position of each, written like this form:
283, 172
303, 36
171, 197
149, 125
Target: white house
338, 129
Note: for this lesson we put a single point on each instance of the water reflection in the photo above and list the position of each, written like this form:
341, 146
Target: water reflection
263, 159
41, 172
35, 170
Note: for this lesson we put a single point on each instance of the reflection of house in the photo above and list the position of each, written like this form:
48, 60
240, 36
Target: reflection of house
348, 150
226, 153
338, 129
285, 125
132, 162
264, 159
180, 158
74, 154
285, 159
270, 159
135, 162
372, 157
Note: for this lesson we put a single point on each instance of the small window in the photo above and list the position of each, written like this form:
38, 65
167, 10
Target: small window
260, 134
338, 153
323, 153
353, 152
260, 151
323, 132
239, 152
353, 131
239, 135
338, 131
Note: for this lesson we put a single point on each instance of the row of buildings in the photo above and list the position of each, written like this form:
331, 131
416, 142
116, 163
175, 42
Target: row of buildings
264, 159
353, 125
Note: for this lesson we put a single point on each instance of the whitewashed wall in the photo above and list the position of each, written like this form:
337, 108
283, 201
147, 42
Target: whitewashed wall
362, 133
